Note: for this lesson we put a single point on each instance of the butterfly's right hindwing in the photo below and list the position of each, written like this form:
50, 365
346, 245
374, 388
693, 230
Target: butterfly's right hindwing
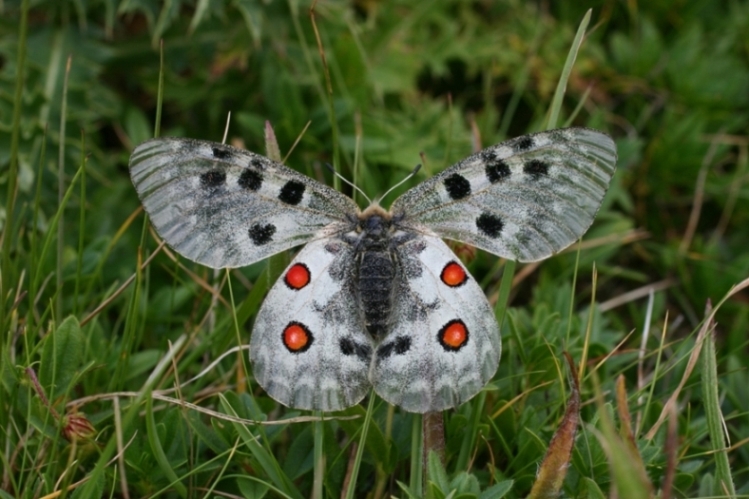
226, 207
444, 345
309, 348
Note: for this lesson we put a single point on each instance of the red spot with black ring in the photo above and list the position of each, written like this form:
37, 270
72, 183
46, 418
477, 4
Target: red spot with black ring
297, 337
454, 335
297, 277
454, 275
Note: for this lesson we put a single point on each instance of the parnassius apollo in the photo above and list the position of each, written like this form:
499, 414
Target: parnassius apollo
375, 298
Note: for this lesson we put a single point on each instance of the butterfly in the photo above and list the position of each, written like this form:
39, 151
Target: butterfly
375, 298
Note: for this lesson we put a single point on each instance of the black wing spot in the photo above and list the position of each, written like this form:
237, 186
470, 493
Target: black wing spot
490, 225
350, 347
496, 169
250, 180
399, 346
536, 168
262, 234
219, 153
292, 192
212, 179
457, 186
257, 164
523, 144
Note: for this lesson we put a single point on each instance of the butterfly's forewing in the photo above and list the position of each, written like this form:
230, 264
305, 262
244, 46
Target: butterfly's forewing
444, 345
309, 348
226, 207
524, 199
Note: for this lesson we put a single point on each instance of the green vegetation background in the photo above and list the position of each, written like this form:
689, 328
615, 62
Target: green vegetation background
668, 80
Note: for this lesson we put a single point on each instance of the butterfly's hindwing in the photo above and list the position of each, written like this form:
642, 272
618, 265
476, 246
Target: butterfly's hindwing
309, 349
524, 199
226, 207
444, 343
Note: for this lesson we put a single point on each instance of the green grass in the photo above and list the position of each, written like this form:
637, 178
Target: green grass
103, 331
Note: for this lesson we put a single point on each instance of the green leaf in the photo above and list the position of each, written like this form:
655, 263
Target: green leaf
252, 489
594, 491
436, 473
62, 355
465, 483
498, 490
158, 451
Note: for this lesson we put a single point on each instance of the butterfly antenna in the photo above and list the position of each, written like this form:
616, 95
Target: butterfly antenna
345, 180
408, 177
226, 130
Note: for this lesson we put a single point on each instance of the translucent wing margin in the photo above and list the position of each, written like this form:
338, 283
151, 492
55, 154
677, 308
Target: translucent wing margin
524, 199
226, 207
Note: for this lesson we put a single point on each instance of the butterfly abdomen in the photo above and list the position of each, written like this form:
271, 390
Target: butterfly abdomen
376, 276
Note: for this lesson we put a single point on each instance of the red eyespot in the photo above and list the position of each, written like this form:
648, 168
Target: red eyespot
453, 335
453, 275
297, 276
296, 337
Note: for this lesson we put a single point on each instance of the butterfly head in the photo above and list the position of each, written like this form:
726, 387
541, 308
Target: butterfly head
374, 220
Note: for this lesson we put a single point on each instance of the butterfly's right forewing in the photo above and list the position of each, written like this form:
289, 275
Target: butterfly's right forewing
524, 199
226, 207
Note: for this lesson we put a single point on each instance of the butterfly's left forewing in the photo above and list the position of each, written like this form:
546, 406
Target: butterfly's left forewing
309, 349
444, 344
226, 207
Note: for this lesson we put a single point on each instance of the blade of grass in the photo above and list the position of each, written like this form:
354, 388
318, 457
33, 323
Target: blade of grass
711, 401
159, 92
53, 225
61, 190
34, 234
628, 475
360, 449
519, 86
265, 458
589, 325
328, 99
81, 228
556, 103
10, 200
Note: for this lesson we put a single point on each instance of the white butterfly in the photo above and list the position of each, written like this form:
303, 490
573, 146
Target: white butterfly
375, 298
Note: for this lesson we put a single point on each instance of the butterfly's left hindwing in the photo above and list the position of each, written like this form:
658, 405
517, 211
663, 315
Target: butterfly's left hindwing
226, 207
444, 345
309, 349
